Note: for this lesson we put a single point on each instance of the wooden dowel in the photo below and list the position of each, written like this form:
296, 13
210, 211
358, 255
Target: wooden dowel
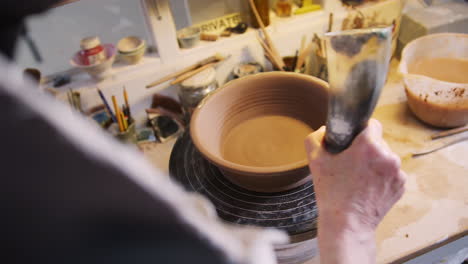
192, 73
450, 132
117, 114
268, 40
185, 70
330, 22
274, 60
303, 56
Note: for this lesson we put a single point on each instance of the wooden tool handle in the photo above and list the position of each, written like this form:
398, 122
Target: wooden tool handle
185, 70
192, 73
303, 55
450, 132
274, 52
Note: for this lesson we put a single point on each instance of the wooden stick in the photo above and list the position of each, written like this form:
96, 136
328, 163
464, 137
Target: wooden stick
303, 56
330, 22
117, 114
275, 52
268, 56
274, 60
124, 121
450, 132
192, 73
303, 43
127, 104
214, 58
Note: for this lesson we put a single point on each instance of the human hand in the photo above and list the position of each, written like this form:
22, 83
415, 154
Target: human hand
355, 188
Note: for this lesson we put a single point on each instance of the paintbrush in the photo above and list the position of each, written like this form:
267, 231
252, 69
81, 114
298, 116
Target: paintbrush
303, 55
215, 58
271, 57
129, 114
109, 110
117, 114
274, 51
294, 63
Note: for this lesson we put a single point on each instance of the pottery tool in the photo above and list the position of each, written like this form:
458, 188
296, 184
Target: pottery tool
192, 73
303, 43
211, 59
450, 132
187, 75
277, 62
126, 102
294, 63
358, 62
117, 114
330, 22
303, 55
440, 144
124, 120
109, 110
269, 42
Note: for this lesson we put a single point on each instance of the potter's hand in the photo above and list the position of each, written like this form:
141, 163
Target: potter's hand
354, 190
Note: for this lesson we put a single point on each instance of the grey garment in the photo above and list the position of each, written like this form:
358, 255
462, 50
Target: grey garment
61, 206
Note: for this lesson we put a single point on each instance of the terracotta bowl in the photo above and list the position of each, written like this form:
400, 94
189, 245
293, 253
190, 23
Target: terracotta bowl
281, 109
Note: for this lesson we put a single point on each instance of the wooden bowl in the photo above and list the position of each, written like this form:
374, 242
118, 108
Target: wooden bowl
254, 127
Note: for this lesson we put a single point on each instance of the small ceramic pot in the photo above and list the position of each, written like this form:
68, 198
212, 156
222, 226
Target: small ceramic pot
292, 95
131, 49
99, 70
188, 37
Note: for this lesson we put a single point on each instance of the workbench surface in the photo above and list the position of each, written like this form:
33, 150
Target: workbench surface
434, 208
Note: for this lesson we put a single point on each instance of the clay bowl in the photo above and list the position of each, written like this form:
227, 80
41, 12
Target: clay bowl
254, 127
436, 102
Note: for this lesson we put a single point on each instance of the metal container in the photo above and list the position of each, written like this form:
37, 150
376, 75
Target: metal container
194, 89
188, 37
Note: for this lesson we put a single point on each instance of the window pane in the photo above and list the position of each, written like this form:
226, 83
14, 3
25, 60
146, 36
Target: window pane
192, 12
58, 32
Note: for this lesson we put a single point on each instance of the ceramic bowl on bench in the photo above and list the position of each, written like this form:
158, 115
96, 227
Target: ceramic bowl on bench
253, 128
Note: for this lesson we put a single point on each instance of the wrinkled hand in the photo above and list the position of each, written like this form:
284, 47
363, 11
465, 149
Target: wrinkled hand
358, 186
354, 190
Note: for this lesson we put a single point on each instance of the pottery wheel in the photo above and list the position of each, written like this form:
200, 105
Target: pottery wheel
293, 211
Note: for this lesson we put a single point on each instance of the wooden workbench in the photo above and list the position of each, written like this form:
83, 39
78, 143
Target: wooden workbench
434, 208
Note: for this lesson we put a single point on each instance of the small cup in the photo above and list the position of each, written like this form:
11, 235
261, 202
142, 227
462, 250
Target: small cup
131, 49
188, 37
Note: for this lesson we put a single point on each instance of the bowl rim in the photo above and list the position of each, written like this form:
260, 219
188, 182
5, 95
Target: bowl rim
244, 169
403, 65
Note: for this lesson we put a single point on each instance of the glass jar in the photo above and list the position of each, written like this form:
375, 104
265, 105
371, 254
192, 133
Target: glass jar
283, 8
194, 89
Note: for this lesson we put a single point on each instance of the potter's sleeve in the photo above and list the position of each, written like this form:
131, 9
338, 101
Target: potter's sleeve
70, 193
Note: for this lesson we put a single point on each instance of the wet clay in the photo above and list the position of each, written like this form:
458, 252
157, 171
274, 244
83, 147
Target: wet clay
265, 141
444, 69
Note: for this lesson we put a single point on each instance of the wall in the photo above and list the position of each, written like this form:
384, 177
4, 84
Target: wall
58, 32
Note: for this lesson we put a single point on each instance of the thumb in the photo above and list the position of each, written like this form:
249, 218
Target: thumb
314, 141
